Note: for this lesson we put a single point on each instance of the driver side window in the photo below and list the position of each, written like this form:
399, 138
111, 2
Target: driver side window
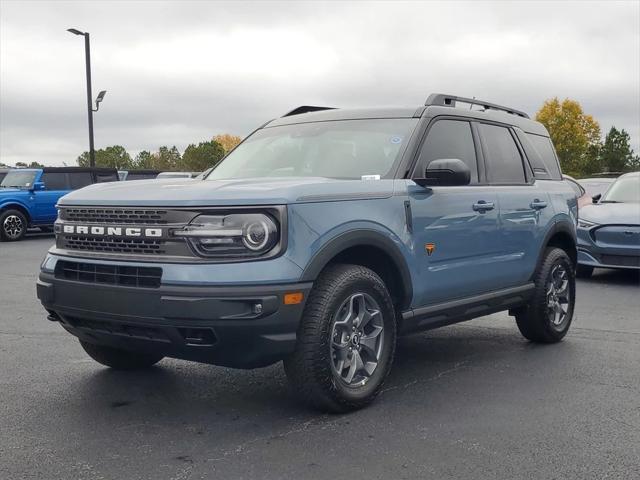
449, 139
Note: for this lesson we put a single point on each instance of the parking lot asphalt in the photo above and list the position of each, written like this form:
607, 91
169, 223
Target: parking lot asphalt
469, 401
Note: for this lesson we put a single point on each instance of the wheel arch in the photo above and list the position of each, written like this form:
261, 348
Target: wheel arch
561, 235
370, 249
16, 206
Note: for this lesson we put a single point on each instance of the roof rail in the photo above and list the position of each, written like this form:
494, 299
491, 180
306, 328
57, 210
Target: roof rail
306, 109
450, 101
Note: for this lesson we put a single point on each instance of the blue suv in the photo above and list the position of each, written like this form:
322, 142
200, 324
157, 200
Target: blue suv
320, 239
28, 197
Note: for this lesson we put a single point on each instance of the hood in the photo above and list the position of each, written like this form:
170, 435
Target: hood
611, 213
249, 191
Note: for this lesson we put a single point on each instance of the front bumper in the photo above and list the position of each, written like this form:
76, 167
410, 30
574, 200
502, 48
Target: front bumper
220, 325
623, 251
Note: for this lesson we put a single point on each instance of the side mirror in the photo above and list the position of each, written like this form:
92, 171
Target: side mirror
37, 186
596, 198
445, 172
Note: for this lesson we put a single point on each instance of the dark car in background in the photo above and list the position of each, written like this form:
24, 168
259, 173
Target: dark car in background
146, 174
609, 229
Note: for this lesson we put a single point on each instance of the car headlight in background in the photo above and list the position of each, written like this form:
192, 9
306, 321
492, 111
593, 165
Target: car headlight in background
235, 235
585, 223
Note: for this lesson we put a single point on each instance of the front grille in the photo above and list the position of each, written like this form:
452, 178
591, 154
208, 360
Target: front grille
115, 245
621, 260
115, 216
128, 276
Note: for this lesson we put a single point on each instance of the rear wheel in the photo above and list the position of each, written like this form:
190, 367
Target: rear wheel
584, 271
13, 225
120, 359
548, 316
346, 340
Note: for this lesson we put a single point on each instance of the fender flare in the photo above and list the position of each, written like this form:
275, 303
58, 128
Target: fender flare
15, 204
560, 226
361, 237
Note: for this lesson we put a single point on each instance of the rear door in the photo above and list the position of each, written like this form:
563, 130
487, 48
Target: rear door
56, 185
525, 206
455, 229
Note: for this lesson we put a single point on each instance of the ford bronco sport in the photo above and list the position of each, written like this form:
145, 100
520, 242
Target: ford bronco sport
317, 241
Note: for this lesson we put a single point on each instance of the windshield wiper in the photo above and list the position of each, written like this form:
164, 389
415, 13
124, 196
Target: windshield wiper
609, 201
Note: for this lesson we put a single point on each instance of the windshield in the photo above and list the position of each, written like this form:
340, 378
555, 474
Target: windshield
624, 190
594, 188
18, 179
348, 149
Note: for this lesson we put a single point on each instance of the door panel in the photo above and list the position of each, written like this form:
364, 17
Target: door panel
525, 213
466, 242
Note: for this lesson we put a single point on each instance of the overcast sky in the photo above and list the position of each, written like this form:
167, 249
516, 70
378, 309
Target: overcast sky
179, 72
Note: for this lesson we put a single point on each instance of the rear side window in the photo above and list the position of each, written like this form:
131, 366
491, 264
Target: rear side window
55, 181
544, 147
80, 179
449, 139
503, 159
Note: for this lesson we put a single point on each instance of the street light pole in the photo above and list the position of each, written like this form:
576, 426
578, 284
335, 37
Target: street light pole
87, 53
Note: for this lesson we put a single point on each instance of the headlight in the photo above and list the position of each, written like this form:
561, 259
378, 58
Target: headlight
585, 223
238, 235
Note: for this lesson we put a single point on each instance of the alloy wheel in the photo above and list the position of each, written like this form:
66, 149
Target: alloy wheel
13, 226
558, 295
357, 338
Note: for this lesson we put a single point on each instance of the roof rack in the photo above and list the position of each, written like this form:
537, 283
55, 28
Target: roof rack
306, 109
450, 101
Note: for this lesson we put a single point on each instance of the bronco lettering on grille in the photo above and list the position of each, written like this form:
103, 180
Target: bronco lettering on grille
97, 230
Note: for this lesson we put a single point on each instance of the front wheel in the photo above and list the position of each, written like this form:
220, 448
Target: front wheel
13, 225
346, 340
120, 359
548, 316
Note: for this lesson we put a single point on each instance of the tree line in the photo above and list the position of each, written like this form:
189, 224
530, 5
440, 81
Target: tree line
578, 141
195, 158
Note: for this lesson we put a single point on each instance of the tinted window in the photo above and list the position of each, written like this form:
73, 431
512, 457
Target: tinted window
140, 176
106, 177
544, 147
449, 139
55, 180
503, 159
80, 179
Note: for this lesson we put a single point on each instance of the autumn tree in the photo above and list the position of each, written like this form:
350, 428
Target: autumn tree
227, 141
575, 135
616, 154
114, 156
199, 157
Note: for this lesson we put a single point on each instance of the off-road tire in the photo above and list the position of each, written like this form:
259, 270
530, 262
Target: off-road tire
16, 217
120, 359
310, 368
533, 320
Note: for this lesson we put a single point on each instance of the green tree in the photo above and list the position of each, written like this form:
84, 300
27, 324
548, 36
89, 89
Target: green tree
200, 157
144, 160
167, 158
111, 157
616, 154
575, 135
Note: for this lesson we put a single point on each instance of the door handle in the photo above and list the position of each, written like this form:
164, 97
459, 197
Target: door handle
538, 204
482, 206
